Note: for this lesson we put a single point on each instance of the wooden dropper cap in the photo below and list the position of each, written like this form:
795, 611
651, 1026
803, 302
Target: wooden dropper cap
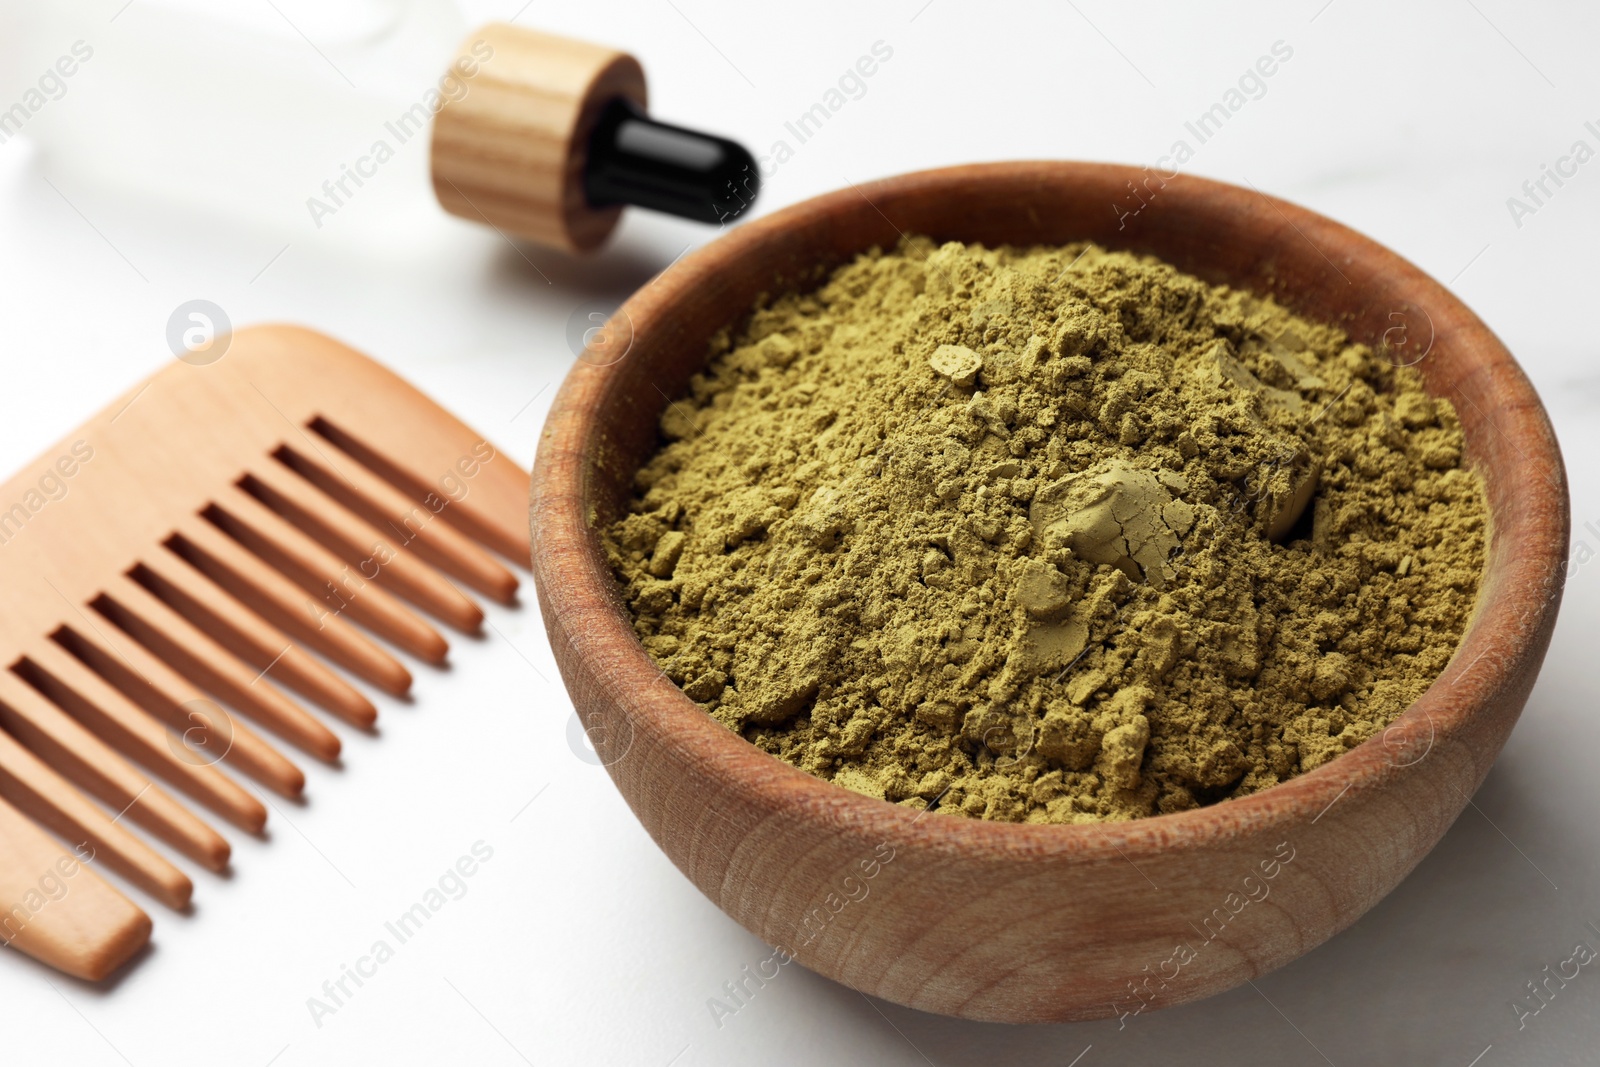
547, 138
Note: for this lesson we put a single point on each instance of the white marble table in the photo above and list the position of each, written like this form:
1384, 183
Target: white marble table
576, 941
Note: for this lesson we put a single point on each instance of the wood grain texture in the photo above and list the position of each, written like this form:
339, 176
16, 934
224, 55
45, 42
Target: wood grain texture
1036, 923
45, 797
89, 763
250, 637
510, 149
281, 602
57, 910
364, 493
159, 564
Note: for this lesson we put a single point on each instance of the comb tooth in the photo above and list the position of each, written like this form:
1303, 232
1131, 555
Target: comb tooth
176, 640
250, 637
361, 544
279, 542
488, 492
285, 604
105, 710
168, 697
65, 744
39, 793
88, 933
344, 478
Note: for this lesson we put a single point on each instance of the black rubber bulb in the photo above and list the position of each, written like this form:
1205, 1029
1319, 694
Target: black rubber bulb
634, 159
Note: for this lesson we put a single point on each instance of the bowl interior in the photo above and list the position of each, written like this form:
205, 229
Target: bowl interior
1221, 233
1036, 922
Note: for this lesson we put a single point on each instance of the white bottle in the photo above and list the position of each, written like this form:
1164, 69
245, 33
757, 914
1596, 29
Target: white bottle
262, 115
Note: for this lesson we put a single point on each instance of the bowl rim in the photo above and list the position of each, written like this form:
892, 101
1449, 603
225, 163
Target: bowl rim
1514, 609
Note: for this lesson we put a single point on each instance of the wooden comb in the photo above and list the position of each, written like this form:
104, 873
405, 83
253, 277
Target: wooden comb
161, 562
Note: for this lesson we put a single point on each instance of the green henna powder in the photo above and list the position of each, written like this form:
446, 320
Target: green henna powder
1050, 535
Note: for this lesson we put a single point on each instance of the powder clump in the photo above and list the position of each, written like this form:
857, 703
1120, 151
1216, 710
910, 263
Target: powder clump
1050, 535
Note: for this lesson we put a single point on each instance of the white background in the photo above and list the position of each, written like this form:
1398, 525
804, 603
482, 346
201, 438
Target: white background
177, 166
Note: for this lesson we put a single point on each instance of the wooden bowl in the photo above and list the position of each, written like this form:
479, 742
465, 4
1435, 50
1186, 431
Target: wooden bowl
1040, 923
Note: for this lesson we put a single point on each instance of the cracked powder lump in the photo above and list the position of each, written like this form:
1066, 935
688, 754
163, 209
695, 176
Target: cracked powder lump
1049, 535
